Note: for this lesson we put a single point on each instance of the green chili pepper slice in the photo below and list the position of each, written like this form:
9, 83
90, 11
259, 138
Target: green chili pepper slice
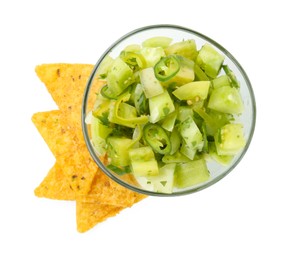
166, 68
157, 138
107, 93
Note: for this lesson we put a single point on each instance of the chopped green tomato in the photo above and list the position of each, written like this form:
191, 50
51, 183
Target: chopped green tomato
99, 133
175, 158
221, 159
140, 100
210, 60
169, 121
118, 150
150, 84
213, 120
166, 68
226, 99
105, 66
160, 106
175, 140
193, 138
200, 74
164, 110
159, 41
157, 138
186, 72
101, 110
152, 55
230, 140
232, 76
119, 77
193, 91
164, 181
221, 81
191, 173
186, 49
132, 48
143, 162
115, 114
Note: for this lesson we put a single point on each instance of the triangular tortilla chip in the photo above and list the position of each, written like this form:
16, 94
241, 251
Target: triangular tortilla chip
66, 84
76, 164
71, 153
55, 186
90, 214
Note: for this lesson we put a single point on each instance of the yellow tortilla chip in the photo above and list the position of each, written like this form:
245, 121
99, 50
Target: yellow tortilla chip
105, 190
55, 186
90, 214
75, 175
66, 84
70, 152
82, 174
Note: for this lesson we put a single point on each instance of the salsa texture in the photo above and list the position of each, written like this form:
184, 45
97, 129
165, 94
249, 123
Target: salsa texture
164, 110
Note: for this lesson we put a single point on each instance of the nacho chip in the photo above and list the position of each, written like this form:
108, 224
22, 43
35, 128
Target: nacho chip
55, 186
66, 84
75, 175
69, 150
90, 214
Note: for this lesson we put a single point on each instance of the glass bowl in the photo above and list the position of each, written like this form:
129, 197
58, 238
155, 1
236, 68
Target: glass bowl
177, 33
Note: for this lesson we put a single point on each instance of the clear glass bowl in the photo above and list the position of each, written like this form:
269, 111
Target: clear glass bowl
177, 33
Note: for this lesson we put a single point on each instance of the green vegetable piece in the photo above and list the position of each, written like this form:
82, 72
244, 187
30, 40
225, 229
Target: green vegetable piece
221, 159
192, 137
191, 173
164, 181
152, 55
166, 68
186, 72
105, 66
119, 77
226, 99
193, 91
233, 80
143, 162
175, 158
140, 100
118, 150
175, 140
157, 138
158, 41
135, 60
160, 106
200, 74
99, 133
150, 84
230, 139
169, 121
186, 49
117, 116
221, 81
214, 120
210, 60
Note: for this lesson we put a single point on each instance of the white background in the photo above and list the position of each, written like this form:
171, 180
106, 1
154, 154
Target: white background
241, 217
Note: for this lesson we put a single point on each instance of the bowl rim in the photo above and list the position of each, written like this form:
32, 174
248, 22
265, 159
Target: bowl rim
89, 84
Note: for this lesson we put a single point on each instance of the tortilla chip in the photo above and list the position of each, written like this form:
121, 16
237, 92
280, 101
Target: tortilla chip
70, 152
55, 186
90, 214
107, 191
66, 84
75, 175
57, 136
